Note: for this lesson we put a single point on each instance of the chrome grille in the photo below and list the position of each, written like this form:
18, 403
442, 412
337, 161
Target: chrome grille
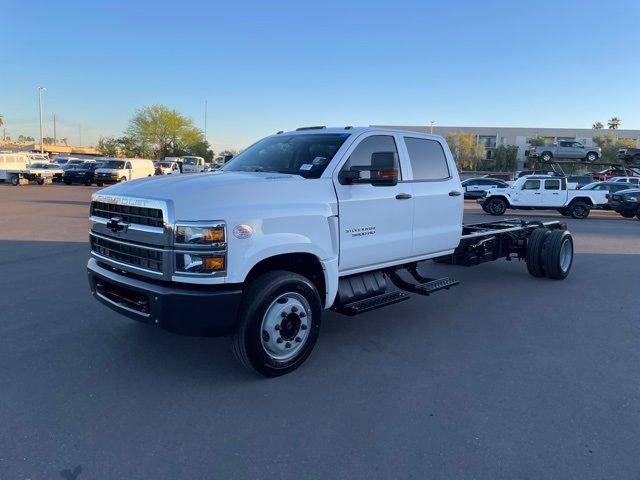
137, 255
130, 214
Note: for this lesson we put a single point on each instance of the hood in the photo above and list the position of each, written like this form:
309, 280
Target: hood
225, 195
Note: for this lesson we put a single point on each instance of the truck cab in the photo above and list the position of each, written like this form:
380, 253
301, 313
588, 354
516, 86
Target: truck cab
194, 165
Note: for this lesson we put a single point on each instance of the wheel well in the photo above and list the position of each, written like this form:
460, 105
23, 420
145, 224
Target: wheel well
305, 264
500, 197
586, 200
546, 151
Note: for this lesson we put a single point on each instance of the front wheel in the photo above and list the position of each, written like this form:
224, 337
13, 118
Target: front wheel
278, 323
497, 206
591, 157
123, 179
564, 212
546, 157
579, 210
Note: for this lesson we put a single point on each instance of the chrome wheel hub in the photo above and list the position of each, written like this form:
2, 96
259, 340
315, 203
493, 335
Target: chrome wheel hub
285, 326
566, 255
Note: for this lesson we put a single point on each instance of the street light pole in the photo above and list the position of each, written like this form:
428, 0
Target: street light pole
40, 89
432, 124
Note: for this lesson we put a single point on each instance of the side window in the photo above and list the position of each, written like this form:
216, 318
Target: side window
361, 156
427, 158
552, 184
531, 185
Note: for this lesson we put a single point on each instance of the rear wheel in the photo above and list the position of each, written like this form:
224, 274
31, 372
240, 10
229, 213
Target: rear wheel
628, 215
40, 181
591, 157
546, 157
533, 256
278, 324
15, 180
557, 254
66, 182
497, 206
579, 210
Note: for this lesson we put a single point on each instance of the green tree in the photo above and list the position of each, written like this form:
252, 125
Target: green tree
614, 123
466, 150
537, 141
108, 146
506, 158
1, 120
48, 140
610, 145
598, 126
162, 131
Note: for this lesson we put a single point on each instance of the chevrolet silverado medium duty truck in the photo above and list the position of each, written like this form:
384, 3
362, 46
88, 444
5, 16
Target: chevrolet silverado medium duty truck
566, 150
300, 222
542, 192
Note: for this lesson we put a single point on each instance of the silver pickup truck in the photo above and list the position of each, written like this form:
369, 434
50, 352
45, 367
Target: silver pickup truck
566, 150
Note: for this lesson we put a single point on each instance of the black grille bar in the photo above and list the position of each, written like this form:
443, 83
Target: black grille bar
139, 215
131, 254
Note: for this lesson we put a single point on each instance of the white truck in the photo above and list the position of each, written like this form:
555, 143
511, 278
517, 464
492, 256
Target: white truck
194, 165
313, 219
542, 192
15, 169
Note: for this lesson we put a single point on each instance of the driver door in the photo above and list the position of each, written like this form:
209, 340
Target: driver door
375, 222
529, 194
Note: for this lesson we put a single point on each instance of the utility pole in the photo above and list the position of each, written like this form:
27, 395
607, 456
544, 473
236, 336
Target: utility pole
205, 120
55, 132
432, 124
40, 89
80, 135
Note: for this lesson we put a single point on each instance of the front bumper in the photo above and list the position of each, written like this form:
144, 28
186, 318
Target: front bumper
187, 310
106, 178
626, 208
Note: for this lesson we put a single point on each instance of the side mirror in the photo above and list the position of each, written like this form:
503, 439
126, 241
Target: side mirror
383, 171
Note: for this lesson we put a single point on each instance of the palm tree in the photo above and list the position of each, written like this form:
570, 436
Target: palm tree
614, 123
64, 140
598, 126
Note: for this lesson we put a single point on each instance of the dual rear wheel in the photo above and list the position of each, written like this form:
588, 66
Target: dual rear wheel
549, 253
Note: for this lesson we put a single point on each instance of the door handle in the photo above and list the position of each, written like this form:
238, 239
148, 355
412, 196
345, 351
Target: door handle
538, 193
455, 193
403, 196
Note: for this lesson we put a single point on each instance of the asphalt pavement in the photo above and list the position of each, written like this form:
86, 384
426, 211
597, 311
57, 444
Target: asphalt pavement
504, 377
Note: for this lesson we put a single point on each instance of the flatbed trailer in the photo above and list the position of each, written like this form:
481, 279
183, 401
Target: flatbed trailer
26, 175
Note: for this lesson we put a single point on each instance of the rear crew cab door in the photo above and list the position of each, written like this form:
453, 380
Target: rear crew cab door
374, 222
552, 195
438, 202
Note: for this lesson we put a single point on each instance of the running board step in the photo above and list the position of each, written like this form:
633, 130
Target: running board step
372, 303
433, 286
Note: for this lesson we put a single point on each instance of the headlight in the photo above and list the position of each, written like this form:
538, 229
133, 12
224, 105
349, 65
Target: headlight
200, 235
632, 199
199, 263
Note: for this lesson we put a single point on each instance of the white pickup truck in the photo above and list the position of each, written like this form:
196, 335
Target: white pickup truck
303, 221
542, 192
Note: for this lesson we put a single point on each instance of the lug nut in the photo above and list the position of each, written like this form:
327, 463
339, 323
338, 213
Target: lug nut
265, 336
277, 326
287, 345
283, 314
302, 315
279, 340
294, 309
303, 327
298, 339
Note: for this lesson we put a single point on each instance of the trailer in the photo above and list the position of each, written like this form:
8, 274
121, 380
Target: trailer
14, 168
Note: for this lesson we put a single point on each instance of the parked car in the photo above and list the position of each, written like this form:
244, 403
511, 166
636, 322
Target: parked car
505, 177
168, 168
83, 173
566, 150
63, 159
635, 181
630, 156
538, 192
75, 162
53, 168
626, 202
610, 187
123, 169
579, 180
475, 187
194, 165
611, 172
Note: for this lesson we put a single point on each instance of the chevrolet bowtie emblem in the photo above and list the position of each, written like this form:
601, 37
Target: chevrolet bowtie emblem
116, 225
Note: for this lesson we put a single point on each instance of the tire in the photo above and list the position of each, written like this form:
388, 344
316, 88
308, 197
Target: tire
579, 210
40, 181
533, 257
496, 206
638, 215
87, 183
564, 212
557, 254
122, 179
546, 157
628, 215
15, 181
591, 157
99, 184
67, 182
484, 207
274, 303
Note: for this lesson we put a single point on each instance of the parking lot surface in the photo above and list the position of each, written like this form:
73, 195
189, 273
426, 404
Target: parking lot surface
505, 376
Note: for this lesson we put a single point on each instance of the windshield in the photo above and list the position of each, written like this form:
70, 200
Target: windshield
306, 155
113, 164
590, 186
191, 161
166, 164
75, 162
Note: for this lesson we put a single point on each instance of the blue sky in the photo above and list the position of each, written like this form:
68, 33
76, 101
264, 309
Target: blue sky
267, 66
